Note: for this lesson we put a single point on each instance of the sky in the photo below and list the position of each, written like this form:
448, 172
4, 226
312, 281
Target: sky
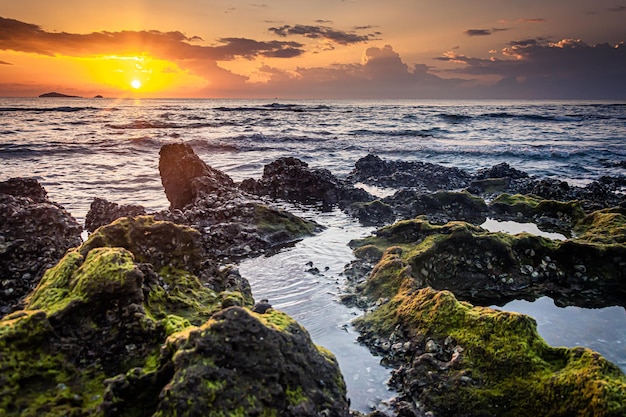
363, 49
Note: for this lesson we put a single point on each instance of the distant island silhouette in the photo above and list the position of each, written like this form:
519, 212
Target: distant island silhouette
55, 94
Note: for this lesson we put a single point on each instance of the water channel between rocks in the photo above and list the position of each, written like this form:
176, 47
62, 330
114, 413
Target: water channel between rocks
305, 281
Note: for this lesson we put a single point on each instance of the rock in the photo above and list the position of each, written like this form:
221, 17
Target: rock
415, 175
292, 179
551, 215
493, 268
502, 170
103, 212
186, 177
132, 323
34, 235
440, 207
24, 187
480, 361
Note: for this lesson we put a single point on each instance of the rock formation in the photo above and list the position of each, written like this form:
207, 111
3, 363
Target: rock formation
34, 235
136, 322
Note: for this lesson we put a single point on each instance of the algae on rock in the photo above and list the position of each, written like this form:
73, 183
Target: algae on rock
488, 268
89, 341
456, 359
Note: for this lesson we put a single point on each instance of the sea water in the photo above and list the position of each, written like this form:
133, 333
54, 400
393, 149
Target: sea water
84, 148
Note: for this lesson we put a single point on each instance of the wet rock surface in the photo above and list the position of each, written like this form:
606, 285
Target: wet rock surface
494, 268
453, 359
135, 322
292, 179
34, 235
421, 176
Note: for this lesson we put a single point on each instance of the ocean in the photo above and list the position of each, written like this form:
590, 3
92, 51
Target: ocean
79, 149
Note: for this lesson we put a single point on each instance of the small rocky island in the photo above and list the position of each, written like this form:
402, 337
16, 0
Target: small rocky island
150, 317
54, 94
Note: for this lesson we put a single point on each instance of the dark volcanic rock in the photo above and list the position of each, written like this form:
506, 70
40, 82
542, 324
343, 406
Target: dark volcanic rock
102, 212
440, 207
502, 170
133, 322
34, 235
243, 363
186, 177
416, 175
292, 179
233, 223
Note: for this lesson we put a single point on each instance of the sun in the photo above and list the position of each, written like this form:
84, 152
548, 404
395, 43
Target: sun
136, 84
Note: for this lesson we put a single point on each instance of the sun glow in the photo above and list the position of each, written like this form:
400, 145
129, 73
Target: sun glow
136, 84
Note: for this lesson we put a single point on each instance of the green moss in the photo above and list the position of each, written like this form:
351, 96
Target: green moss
509, 364
182, 295
277, 319
604, 226
273, 221
532, 206
36, 379
295, 396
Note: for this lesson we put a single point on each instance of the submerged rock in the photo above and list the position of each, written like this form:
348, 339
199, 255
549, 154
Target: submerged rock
454, 359
135, 322
34, 235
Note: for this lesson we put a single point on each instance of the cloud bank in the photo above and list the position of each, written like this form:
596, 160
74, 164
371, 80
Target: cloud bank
526, 68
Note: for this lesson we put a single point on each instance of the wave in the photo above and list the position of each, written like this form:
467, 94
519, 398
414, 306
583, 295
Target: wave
63, 109
298, 108
150, 124
422, 133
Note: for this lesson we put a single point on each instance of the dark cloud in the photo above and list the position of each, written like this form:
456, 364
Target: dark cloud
381, 74
483, 32
26, 37
565, 69
5, 63
321, 32
617, 9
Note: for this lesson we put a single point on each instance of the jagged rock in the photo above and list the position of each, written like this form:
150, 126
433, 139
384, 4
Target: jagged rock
102, 212
440, 207
34, 235
132, 322
502, 170
233, 224
292, 179
454, 359
186, 177
416, 175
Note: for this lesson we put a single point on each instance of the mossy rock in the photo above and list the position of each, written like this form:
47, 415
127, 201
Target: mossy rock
488, 268
279, 226
93, 339
238, 363
483, 362
533, 208
604, 226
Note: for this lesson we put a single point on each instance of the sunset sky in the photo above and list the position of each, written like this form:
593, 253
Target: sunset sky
315, 49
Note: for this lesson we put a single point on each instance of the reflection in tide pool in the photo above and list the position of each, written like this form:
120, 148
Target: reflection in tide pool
513, 228
603, 330
304, 281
